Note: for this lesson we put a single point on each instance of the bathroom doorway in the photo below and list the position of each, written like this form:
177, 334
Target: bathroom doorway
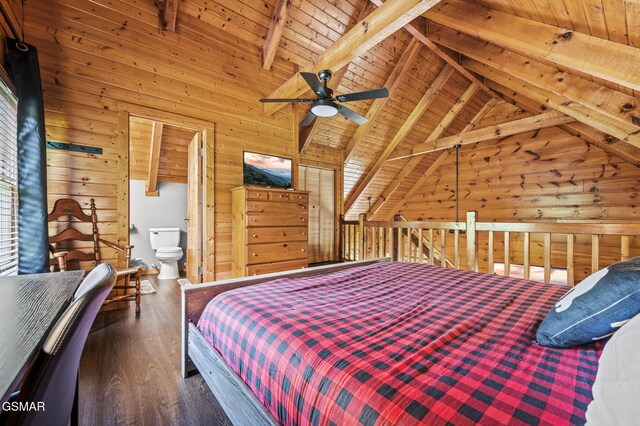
167, 193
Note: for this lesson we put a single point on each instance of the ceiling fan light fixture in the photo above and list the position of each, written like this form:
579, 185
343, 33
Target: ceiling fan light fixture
324, 108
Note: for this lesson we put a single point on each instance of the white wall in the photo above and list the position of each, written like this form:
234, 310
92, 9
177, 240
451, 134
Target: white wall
168, 210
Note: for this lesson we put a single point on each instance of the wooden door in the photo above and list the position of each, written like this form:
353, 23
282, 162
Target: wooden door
321, 186
194, 227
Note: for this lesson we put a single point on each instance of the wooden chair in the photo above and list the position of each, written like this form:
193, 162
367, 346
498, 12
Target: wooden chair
63, 249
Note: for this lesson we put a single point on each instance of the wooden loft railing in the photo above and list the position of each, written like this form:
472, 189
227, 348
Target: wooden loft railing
478, 246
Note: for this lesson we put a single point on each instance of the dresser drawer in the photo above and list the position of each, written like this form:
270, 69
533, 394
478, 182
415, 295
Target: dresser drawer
274, 207
269, 268
277, 234
279, 196
256, 194
276, 252
276, 219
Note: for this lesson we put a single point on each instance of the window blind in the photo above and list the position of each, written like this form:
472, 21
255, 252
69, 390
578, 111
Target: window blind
8, 182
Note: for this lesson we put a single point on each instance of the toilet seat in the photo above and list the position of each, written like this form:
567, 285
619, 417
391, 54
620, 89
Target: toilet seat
169, 250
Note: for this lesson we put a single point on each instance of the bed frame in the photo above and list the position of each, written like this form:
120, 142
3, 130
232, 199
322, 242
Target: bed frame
236, 399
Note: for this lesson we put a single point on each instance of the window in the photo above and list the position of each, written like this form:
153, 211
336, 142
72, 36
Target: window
8, 182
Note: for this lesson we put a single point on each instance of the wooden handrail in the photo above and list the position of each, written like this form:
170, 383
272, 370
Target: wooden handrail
367, 239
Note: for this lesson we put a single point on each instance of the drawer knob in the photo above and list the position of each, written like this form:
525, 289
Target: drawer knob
254, 235
285, 245
254, 254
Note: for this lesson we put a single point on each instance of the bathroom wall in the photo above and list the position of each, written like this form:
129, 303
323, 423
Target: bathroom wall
168, 210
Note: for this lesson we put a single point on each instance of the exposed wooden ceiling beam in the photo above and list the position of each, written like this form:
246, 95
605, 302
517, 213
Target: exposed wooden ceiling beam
418, 185
592, 117
170, 15
435, 134
306, 134
376, 107
154, 159
272, 40
429, 96
607, 143
622, 111
418, 29
540, 121
605, 59
379, 25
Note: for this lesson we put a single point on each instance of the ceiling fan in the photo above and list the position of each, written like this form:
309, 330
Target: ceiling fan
325, 103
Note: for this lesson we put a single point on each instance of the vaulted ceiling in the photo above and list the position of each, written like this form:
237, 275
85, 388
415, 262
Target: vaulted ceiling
453, 68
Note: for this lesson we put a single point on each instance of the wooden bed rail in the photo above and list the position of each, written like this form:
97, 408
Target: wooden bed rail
479, 246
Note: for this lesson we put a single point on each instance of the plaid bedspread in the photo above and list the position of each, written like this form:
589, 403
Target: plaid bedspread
401, 344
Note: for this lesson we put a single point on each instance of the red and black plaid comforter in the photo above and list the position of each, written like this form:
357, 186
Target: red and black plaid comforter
399, 344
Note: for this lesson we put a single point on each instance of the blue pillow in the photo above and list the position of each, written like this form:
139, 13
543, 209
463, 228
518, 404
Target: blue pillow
595, 308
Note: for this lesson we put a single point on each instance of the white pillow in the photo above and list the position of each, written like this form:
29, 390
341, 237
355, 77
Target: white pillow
616, 391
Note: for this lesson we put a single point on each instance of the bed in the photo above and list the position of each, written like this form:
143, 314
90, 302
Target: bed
385, 343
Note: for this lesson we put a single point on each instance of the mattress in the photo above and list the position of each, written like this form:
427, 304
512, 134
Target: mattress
399, 344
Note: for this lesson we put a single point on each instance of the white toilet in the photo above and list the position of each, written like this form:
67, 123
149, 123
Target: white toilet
165, 242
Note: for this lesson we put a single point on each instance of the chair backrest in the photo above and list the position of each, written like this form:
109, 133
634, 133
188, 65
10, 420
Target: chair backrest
63, 241
53, 378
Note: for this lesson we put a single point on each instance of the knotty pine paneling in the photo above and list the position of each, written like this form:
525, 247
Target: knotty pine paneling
538, 176
103, 57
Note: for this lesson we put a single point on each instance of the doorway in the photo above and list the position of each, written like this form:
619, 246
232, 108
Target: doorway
168, 173
320, 183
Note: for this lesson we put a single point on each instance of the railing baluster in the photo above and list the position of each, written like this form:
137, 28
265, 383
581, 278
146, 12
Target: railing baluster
547, 257
570, 270
527, 256
443, 248
431, 255
390, 243
381, 241
456, 248
624, 248
507, 254
492, 268
400, 246
409, 235
595, 253
420, 247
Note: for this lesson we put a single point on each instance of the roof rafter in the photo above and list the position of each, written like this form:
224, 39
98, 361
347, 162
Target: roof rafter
418, 29
607, 143
592, 117
170, 15
510, 128
613, 112
154, 159
306, 134
435, 134
419, 184
272, 40
376, 107
380, 24
426, 100
569, 49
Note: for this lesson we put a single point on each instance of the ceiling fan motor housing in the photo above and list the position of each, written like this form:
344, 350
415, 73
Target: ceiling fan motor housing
325, 75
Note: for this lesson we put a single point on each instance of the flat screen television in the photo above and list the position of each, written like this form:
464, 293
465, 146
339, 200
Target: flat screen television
266, 170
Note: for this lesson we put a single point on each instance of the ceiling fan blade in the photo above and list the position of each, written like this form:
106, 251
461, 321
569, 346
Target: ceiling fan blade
314, 82
351, 115
362, 96
307, 120
267, 100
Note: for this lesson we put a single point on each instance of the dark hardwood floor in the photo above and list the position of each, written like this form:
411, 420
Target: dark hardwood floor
130, 368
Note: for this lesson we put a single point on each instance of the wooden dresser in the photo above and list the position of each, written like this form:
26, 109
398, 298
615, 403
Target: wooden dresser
270, 230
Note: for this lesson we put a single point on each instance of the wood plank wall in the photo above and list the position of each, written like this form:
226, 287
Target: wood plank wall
547, 175
103, 57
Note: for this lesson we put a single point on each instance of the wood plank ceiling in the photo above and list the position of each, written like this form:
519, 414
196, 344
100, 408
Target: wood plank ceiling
541, 55
576, 57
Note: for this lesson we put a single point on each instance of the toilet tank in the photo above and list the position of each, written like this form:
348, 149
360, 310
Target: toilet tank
164, 237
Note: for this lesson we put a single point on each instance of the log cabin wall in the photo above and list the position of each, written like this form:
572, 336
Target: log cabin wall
103, 60
543, 176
